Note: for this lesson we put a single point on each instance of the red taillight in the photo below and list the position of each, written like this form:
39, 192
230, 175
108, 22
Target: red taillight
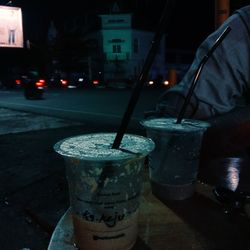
18, 81
95, 82
40, 83
64, 82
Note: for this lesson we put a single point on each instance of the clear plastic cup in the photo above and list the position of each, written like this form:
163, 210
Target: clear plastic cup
105, 187
173, 165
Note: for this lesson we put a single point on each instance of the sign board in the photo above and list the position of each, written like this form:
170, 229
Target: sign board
11, 27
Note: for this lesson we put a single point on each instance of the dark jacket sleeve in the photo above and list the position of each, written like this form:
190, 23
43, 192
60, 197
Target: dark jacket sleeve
224, 81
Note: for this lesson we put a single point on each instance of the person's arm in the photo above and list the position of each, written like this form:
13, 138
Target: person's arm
224, 80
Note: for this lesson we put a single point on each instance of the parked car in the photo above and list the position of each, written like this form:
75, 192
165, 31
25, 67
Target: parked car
78, 80
11, 78
81, 80
57, 79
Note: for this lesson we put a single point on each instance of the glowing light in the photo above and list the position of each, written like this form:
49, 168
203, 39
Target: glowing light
11, 28
18, 81
72, 87
64, 82
233, 173
166, 83
95, 82
40, 83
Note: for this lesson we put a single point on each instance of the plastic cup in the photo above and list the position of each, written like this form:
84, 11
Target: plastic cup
173, 165
105, 187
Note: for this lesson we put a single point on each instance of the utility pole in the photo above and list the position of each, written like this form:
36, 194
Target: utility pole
222, 11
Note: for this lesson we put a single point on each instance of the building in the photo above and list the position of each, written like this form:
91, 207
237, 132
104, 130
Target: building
121, 50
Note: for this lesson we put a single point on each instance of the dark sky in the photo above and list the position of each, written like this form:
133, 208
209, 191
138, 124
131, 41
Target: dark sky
190, 21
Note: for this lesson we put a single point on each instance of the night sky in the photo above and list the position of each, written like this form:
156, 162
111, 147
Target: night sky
189, 21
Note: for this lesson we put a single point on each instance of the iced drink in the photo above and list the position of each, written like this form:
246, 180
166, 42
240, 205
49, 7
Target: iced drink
105, 187
173, 165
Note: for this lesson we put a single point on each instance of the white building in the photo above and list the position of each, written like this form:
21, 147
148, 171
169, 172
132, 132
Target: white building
122, 50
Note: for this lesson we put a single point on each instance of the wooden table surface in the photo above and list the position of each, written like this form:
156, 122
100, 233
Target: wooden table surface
198, 223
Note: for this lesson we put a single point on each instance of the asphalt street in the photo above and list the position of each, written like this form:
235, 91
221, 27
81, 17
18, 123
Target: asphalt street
98, 105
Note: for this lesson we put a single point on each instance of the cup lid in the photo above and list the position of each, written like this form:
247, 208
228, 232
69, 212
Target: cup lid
169, 124
98, 147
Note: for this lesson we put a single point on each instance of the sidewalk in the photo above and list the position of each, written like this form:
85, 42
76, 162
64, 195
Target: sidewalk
33, 188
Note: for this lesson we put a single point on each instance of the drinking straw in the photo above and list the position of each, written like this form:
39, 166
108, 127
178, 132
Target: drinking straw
142, 77
198, 72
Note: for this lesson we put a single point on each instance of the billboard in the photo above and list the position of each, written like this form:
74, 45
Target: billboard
11, 27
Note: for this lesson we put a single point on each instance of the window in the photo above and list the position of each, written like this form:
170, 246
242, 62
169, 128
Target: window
117, 48
116, 21
117, 40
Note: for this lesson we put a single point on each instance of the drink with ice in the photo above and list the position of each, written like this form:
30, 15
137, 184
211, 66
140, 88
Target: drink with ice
105, 187
173, 165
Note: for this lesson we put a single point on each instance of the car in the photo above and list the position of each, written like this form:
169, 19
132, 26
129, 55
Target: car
34, 86
155, 83
57, 81
11, 78
78, 80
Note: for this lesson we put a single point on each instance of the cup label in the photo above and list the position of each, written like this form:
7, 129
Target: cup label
106, 200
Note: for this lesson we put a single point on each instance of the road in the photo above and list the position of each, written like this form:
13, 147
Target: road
95, 105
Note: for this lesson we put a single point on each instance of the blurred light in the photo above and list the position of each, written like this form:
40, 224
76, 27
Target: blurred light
64, 82
151, 82
18, 81
72, 87
40, 83
9, 3
28, 44
95, 82
166, 83
233, 173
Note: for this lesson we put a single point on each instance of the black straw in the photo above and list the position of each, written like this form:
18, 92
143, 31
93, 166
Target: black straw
198, 72
142, 77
